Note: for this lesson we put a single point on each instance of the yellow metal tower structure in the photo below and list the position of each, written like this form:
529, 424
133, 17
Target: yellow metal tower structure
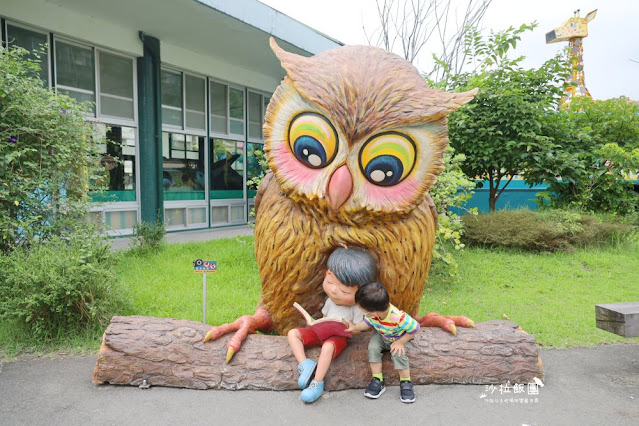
573, 31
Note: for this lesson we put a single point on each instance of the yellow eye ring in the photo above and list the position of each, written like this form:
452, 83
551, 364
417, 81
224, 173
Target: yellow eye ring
313, 140
388, 158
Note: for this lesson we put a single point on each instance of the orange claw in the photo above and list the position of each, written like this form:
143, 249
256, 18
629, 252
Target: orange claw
243, 326
446, 323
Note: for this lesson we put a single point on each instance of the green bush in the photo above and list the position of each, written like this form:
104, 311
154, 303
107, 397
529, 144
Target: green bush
59, 287
48, 158
552, 230
148, 236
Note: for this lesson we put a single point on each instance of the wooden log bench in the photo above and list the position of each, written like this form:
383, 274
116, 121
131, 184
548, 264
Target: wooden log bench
618, 318
170, 352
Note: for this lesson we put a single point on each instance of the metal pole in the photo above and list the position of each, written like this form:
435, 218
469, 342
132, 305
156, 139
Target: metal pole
204, 299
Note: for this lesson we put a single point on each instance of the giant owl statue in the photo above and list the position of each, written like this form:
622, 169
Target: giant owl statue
355, 140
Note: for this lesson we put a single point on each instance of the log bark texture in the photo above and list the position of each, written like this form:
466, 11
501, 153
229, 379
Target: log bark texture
170, 352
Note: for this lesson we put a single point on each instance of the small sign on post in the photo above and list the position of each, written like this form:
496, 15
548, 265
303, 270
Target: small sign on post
202, 267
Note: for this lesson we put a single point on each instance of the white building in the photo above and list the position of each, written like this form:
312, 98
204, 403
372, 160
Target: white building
182, 84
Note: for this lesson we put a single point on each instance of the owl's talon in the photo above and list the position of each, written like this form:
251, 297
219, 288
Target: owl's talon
243, 326
229, 354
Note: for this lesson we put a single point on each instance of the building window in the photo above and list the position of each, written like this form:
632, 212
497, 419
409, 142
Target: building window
195, 102
172, 98
256, 109
236, 111
227, 169
35, 43
183, 101
218, 108
183, 166
116, 86
118, 160
75, 71
254, 151
227, 109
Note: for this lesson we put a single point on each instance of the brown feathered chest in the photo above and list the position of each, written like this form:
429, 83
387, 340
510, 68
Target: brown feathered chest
292, 248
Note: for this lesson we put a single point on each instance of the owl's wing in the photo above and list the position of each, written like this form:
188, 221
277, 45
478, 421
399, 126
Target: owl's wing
266, 181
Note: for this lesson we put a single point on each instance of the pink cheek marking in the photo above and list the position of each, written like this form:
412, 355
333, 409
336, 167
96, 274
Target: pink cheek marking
289, 167
383, 196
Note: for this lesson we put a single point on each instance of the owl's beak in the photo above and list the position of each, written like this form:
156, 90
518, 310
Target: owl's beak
340, 187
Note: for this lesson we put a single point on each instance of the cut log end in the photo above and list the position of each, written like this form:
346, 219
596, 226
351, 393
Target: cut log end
170, 352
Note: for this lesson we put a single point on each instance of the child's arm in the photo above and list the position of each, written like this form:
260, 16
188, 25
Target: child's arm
398, 346
357, 328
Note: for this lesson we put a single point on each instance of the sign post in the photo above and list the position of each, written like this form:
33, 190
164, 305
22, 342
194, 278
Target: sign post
202, 267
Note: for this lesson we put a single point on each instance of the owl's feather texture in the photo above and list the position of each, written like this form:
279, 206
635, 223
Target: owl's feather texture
292, 246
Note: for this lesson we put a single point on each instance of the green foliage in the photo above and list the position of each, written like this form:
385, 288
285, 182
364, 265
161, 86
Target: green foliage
502, 127
47, 156
255, 181
453, 189
598, 144
551, 230
60, 287
148, 236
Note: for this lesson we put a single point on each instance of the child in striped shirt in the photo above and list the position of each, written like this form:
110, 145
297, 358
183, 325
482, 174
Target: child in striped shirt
394, 329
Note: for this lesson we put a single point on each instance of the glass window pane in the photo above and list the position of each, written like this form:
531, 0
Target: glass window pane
194, 93
218, 124
254, 152
218, 107
218, 99
33, 42
255, 115
227, 168
236, 103
75, 66
195, 101
172, 116
236, 127
116, 107
119, 163
183, 166
80, 96
116, 75
172, 89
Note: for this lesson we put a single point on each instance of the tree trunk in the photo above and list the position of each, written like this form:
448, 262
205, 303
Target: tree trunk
170, 352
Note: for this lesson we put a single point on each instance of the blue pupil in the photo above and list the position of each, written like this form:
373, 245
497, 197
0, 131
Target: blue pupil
308, 150
389, 167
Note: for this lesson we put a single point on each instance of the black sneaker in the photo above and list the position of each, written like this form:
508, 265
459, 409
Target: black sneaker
375, 388
406, 393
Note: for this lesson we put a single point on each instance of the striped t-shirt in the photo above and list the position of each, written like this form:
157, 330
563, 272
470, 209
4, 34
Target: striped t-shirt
395, 325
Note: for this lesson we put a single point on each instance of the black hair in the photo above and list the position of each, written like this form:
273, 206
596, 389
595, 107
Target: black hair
353, 266
372, 297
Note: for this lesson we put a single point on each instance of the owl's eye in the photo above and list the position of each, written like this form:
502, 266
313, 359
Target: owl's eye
313, 140
386, 159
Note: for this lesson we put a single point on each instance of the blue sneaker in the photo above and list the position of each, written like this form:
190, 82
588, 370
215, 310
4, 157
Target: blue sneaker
306, 369
313, 392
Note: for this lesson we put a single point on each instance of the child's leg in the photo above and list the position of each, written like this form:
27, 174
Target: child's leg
404, 373
297, 345
324, 361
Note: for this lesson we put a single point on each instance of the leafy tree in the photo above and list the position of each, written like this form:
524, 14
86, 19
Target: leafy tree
599, 146
502, 129
47, 156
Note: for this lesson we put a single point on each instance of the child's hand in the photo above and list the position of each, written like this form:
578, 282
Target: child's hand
397, 348
351, 326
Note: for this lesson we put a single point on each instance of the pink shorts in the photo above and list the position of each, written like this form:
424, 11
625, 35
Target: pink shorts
310, 340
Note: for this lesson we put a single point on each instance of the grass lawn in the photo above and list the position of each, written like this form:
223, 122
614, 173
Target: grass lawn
551, 296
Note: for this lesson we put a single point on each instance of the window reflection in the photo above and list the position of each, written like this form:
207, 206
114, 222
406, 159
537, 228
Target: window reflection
118, 159
227, 168
183, 166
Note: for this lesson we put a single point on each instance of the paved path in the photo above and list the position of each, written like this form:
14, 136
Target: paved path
195, 235
583, 386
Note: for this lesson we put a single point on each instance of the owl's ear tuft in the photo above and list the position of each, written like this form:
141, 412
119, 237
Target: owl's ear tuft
290, 61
